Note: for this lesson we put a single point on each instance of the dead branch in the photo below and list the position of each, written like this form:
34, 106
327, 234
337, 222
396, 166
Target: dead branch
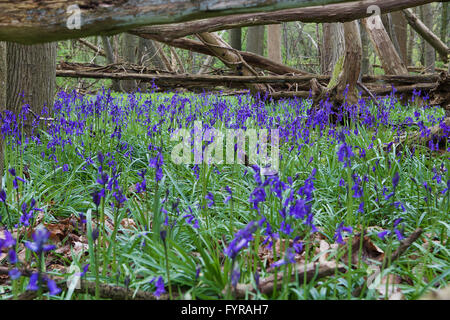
314, 270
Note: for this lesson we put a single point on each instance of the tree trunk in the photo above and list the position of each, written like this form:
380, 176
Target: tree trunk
366, 67
430, 54
444, 22
151, 53
129, 53
345, 73
274, 43
31, 75
390, 60
111, 60
400, 30
236, 38
255, 40
333, 46
411, 43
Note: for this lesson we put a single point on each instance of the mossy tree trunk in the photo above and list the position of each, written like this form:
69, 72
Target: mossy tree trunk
342, 85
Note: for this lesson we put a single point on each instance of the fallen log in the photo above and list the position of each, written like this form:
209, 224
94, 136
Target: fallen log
390, 60
184, 78
342, 12
301, 84
440, 95
31, 21
426, 34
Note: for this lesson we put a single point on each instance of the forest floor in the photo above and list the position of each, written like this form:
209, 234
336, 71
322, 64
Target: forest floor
349, 213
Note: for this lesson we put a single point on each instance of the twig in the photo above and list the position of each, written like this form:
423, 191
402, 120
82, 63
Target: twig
404, 245
313, 271
359, 83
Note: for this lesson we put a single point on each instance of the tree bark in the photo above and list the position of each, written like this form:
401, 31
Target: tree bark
319, 14
31, 75
366, 67
31, 21
129, 53
231, 58
426, 34
444, 22
400, 29
148, 51
430, 54
236, 38
255, 40
333, 46
111, 60
411, 43
274, 43
390, 60
342, 85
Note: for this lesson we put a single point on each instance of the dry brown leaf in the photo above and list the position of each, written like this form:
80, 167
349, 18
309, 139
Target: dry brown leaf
369, 253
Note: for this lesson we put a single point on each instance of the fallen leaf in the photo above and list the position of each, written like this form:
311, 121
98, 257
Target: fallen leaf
369, 251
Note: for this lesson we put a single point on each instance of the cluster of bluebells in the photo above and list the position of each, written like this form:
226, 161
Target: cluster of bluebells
73, 132
397, 229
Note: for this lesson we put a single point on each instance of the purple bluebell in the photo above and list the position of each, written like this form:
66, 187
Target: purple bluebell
241, 239
338, 234
40, 237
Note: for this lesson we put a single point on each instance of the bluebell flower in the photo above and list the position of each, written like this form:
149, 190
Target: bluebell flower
241, 239
345, 153
230, 192
289, 257
210, 197
85, 270
258, 195
32, 285
14, 274
338, 234
286, 228
52, 287
40, 237
159, 286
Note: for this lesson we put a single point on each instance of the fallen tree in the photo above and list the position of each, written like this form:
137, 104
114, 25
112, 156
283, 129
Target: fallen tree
427, 34
341, 12
137, 72
31, 21
251, 58
390, 60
